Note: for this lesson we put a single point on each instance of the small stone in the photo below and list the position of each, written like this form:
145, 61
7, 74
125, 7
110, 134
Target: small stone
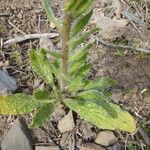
116, 97
147, 99
105, 138
66, 123
45, 43
50, 147
7, 83
17, 138
59, 113
91, 146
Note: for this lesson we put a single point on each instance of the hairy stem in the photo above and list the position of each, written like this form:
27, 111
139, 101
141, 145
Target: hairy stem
65, 33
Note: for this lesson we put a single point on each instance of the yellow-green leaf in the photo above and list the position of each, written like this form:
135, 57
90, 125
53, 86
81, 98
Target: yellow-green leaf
77, 40
77, 55
101, 83
42, 94
43, 115
92, 94
113, 119
41, 65
81, 23
17, 104
51, 15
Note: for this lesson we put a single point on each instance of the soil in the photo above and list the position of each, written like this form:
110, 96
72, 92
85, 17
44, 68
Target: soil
130, 69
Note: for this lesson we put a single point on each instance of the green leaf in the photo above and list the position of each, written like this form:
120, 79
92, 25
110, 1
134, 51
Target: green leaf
92, 94
102, 118
83, 71
54, 54
69, 5
43, 115
77, 55
51, 15
41, 65
17, 104
76, 84
55, 67
42, 94
77, 7
101, 83
77, 64
83, 7
79, 26
76, 41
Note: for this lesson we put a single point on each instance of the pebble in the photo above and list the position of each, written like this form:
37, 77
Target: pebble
105, 138
116, 97
66, 124
147, 99
17, 138
50, 147
91, 146
7, 83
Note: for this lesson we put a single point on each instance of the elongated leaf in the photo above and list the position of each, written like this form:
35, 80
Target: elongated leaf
17, 104
76, 84
84, 6
77, 55
77, 64
55, 67
101, 83
51, 15
76, 41
54, 54
83, 71
77, 7
42, 94
43, 115
41, 65
99, 116
92, 94
69, 6
79, 26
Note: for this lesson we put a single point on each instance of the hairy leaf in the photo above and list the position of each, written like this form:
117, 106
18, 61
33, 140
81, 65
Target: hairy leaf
55, 67
83, 7
17, 104
69, 6
79, 26
112, 119
92, 94
55, 54
83, 71
77, 64
77, 55
41, 65
101, 83
76, 84
43, 115
77, 7
42, 94
51, 15
76, 41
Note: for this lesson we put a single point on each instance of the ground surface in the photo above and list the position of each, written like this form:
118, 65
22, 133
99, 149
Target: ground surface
131, 69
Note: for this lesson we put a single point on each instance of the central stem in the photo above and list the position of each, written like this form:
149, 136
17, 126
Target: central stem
65, 33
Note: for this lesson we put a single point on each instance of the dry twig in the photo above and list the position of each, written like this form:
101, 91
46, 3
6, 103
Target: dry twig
123, 46
4, 15
16, 40
16, 28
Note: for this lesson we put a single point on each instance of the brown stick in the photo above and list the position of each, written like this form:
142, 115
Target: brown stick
16, 40
123, 47
4, 15
16, 28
